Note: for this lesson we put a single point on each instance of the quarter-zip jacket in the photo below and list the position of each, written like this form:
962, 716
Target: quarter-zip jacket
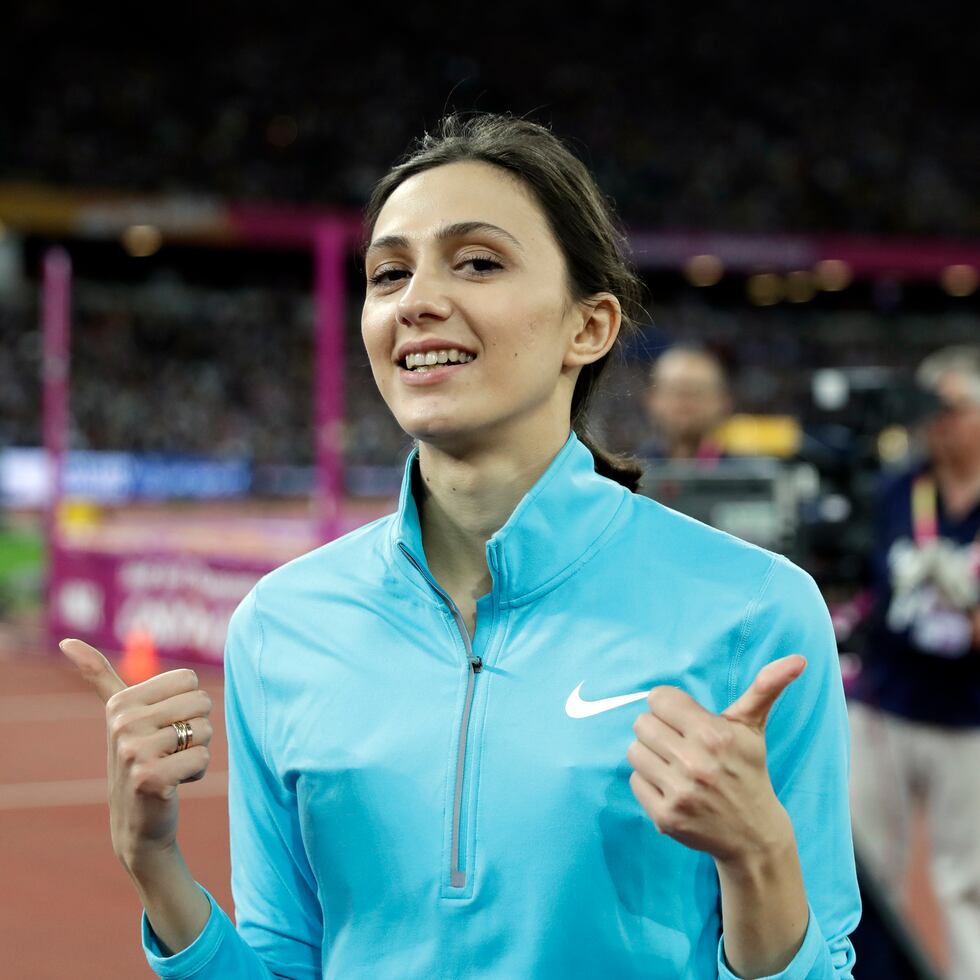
407, 801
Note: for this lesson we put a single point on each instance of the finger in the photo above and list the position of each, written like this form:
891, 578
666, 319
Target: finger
651, 766
159, 688
93, 667
181, 707
128, 719
658, 736
160, 777
164, 740
675, 707
753, 707
649, 796
183, 765
134, 751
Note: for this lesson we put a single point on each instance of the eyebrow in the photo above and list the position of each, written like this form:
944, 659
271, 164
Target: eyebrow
459, 229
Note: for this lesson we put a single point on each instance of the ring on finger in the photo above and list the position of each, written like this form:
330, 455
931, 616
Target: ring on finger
185, 734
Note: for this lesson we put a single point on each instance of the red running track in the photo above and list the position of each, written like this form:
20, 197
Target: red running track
69, 909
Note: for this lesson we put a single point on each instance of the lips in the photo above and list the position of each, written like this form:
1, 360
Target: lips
436, 373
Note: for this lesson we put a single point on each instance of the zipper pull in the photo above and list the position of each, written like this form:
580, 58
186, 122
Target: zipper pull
477, 664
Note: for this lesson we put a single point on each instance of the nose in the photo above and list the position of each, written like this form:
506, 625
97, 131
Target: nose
422, 299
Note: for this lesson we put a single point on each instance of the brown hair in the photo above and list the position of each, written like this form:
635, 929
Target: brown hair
580, 217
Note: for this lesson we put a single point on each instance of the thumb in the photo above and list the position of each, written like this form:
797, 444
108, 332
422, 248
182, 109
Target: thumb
753, 707
93, 667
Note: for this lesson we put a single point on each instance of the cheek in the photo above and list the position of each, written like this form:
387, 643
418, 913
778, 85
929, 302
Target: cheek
967, 434
530, 359
537, 345
376, 338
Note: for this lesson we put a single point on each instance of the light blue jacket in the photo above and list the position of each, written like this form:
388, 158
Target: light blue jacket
408, 803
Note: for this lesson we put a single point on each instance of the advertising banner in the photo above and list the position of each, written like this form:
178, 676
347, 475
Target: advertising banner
182, 601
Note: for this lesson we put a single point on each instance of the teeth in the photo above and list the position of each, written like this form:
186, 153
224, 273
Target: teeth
413, 361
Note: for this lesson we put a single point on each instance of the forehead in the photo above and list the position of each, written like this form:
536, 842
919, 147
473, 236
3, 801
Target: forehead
462, 192
685, 365
957, 386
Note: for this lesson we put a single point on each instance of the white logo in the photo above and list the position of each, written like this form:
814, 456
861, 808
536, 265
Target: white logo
575, 707
81, 603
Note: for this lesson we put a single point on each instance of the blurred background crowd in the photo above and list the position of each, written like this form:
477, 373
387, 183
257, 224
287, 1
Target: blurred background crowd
791, 121
792, 117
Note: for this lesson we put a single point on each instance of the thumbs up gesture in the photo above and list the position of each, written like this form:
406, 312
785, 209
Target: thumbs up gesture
146, 761
702, 777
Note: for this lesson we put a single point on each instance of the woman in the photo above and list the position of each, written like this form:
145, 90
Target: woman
434, 771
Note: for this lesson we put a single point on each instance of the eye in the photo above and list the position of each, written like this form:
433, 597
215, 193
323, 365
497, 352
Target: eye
482, 264
385, 276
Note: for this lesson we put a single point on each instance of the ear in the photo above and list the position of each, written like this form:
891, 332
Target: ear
596, 322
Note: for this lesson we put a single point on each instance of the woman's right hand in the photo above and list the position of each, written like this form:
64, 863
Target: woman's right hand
144, 767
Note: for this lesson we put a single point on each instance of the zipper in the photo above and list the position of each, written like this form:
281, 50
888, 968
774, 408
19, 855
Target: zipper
457, 877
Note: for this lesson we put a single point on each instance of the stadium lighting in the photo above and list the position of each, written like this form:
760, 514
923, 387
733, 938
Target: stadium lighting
703, 270
894, 444
960, 280
764, 288
800, 287
142, 240
831, 389
833, 275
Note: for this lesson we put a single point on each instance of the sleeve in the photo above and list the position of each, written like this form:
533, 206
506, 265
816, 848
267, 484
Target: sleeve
279, 931
808, 754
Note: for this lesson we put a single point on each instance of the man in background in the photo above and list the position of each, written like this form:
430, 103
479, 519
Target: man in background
915, 709
686, 401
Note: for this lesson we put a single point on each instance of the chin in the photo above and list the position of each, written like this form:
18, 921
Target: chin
448, 437
438, 434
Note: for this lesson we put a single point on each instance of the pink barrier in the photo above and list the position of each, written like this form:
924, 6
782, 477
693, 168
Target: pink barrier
183, 601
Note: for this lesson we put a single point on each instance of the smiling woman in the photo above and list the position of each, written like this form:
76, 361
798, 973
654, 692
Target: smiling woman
553, 246
497, 288
434, 768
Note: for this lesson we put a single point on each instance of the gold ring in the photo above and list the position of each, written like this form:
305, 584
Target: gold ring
185, 734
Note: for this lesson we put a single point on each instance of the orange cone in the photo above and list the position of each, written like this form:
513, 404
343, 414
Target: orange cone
139, 661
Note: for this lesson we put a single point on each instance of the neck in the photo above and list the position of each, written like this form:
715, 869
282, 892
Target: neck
465, 499
959, 484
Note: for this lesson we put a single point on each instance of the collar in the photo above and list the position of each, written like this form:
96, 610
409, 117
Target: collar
553, 527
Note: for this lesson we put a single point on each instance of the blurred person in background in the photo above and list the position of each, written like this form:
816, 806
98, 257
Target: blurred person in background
687, 400
915, 709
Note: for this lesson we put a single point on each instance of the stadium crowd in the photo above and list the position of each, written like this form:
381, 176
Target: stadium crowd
228, 373
792, 119
800, 122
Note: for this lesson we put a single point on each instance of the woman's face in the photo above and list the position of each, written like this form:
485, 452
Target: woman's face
462, 254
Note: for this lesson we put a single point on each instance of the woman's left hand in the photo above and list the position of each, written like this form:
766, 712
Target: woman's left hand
702, 777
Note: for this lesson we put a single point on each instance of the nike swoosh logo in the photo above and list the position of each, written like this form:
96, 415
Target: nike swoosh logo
575, 707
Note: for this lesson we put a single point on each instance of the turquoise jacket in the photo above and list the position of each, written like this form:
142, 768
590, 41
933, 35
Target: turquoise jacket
408, 802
